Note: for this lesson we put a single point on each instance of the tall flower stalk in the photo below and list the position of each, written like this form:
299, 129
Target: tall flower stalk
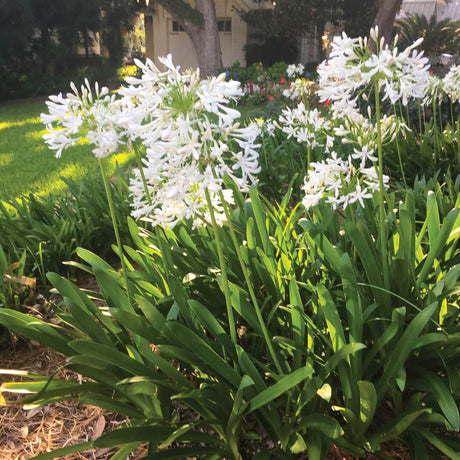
382, 212
115, 226
223, 267
352, 72
84, 115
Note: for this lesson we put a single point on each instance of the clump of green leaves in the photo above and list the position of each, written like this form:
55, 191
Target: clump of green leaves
49, 229
343, 349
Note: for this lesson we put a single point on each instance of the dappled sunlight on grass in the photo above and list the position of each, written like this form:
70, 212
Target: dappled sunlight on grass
37, 135
27, 165
24, 123
6, 158
54, 182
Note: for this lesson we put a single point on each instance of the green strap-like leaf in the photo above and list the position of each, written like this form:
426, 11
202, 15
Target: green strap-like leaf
395, 428
279, 388
437, 247
47, 334
367, 404
329, 426
443, 397
204, 353
188, 452
440, 444
59, 453
404, 348
298, 325
112, 356
432, 217
334, 324
344, 352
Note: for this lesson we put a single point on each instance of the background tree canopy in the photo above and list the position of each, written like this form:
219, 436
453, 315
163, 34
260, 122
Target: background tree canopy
41, 37
277, 30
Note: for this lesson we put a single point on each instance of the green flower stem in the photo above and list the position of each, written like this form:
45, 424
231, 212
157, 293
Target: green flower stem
141, 171
223, 267
441, 127
398, 149
115, 226
249, 285
435, 126
420, 119
383, 230
458, 139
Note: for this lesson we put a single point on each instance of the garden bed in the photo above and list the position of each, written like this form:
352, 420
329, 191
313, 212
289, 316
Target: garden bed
26, 433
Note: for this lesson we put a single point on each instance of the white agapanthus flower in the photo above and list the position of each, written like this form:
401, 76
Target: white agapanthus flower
339, 183
299, 89
192, 139
352, 67
362, 132
306, 126
295, 70
451, 83
435, 91
83, 115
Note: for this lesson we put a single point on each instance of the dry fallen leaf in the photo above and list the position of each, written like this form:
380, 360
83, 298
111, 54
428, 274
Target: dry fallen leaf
99, 427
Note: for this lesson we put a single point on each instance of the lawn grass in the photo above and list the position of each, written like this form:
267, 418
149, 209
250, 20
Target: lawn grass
27, 165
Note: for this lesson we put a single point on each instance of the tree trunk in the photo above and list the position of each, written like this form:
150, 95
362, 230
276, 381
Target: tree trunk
385, 18
206, 39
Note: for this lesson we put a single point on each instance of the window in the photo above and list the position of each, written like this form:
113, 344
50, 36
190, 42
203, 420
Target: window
224, 25
176, 27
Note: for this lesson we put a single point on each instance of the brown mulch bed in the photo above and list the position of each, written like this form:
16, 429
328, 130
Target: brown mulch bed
26, 433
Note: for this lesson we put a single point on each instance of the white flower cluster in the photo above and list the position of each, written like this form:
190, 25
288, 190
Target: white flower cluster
267, 126
190, 136
452, 83
299, 89
360, 131
192, 139
340, 183
352, 67
84, 115
295, 70
435, 90
307, 126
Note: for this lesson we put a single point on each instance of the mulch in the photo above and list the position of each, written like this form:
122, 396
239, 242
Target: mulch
26, 433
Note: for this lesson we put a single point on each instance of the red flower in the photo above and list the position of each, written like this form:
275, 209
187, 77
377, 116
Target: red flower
327, 103
431, 72
282, 80
271, 98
